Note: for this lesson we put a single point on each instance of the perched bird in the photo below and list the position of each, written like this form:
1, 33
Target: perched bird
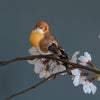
44, 42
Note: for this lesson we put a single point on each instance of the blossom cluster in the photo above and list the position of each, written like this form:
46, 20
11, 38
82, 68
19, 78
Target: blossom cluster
45, 68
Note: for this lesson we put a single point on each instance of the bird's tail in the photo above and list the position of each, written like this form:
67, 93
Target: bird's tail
63, 55
58, 50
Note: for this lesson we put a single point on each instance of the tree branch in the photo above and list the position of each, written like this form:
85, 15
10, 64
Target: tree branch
41, 82
74, 65
2, 63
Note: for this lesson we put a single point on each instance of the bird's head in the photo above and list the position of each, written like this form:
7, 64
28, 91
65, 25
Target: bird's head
42, 27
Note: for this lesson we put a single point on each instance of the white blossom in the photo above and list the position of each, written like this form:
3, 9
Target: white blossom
76, 76
32, 61
44, 73
85, 59
41, 69
81, 80
88, 87
98, 36
75, 72
38, 67
74, 57
33, 51
57, 68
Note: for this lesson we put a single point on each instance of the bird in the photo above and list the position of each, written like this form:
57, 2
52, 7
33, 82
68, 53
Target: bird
44, 42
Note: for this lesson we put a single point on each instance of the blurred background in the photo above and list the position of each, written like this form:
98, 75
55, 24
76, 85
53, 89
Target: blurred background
76, 26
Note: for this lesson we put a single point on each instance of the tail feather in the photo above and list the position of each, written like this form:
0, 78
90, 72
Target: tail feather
63, 54
58, 50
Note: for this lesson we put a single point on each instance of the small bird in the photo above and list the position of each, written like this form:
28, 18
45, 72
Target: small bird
44, 42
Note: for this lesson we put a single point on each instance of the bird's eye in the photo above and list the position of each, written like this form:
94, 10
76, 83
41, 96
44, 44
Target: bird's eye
46, 28
40, 26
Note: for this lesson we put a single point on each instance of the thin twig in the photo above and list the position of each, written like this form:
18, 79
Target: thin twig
41, 82
14, 95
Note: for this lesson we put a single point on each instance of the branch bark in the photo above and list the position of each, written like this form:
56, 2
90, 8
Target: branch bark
74, 65
38, 84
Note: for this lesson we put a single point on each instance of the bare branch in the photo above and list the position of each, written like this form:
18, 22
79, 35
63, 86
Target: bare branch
14, 95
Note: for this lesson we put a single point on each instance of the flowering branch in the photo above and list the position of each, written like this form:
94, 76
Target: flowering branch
41, 82
78, 76
38, 84
2, 63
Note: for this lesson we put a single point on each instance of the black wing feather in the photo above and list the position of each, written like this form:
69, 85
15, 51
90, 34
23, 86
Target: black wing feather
58, 50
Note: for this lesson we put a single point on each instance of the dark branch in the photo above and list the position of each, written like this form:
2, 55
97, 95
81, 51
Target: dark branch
14, 95
2, 63
67, 70
74, 65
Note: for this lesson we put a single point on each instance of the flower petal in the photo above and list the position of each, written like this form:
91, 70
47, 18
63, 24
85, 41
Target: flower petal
48, 73
61, 68
83, 59
74, 57
32, 61
76, 80
54, 64
42, 74
93, 88
37, 69
55, 70
84, 64
33, 51
87, 55
76, 72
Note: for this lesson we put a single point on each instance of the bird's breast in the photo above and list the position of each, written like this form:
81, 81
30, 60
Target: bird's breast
35, 38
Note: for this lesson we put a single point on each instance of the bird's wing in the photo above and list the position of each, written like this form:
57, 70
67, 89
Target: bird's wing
46, 42
58, 50
49, 43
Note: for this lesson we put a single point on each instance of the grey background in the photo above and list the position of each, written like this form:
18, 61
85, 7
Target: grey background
74, 23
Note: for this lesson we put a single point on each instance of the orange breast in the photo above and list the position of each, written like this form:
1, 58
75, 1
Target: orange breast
35, 38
